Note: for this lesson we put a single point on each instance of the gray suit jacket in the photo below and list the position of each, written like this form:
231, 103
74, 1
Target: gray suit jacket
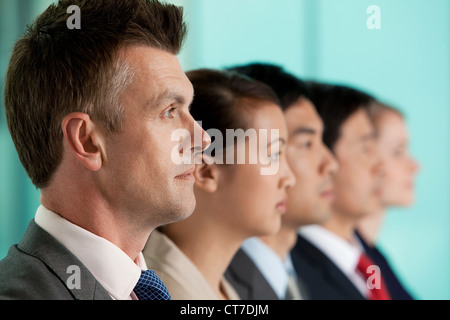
247, 280
38, 269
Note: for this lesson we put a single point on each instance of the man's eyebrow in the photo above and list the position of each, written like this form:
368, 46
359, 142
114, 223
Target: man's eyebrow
171, 95
369, 136
304, 130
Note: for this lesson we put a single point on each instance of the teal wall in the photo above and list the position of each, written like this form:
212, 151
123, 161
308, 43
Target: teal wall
18, 197
406, 63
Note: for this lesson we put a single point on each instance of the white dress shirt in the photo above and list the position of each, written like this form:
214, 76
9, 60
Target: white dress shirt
114, 269
343, 253
272, 267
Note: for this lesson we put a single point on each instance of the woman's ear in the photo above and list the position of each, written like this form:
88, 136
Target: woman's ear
207, 177
81, 135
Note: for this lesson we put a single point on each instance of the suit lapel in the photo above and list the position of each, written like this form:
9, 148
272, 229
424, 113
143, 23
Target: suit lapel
340, 281
243, 271
41, 245
330, 272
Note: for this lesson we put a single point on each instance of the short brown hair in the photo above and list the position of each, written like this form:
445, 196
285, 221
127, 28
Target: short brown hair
55, 71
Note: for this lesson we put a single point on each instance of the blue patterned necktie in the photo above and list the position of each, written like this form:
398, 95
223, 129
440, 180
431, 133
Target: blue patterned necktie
150, 287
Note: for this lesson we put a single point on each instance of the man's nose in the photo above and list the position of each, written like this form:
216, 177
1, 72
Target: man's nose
200, 139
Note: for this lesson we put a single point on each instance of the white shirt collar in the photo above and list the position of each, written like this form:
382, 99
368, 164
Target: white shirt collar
112, 267
269, 264
343, 253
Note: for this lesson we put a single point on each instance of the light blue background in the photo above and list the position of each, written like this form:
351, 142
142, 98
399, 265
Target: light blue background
406, 63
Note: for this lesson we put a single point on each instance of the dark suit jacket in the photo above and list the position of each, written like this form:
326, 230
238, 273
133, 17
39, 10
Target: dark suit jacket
247, 280
322, 278
396, 289
37, 269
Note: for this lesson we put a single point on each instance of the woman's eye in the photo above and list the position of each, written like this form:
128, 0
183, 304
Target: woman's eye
399, 152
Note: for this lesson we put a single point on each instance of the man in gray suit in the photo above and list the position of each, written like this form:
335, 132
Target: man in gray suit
91, 111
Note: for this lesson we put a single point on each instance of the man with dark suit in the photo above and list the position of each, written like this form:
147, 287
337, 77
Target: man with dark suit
263, 269
91, 112
329, 256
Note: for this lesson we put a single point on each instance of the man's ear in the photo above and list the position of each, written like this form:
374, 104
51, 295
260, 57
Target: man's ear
207, 177
83, 138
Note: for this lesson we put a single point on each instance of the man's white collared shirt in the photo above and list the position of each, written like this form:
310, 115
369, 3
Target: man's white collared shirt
274, 270
343, 253
111, 267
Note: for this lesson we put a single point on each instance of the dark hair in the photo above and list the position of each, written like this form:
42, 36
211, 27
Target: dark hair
287, 87
335, 104
225, 99
55, 71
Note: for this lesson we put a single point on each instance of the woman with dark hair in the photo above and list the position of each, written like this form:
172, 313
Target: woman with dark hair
235, 201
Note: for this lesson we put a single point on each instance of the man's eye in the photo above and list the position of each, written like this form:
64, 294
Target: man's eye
369, 149
307, 145
275, 156
169, 113
304, 144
